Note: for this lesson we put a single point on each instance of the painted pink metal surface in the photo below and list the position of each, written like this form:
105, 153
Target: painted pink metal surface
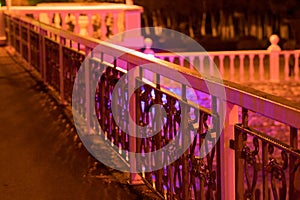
58, 54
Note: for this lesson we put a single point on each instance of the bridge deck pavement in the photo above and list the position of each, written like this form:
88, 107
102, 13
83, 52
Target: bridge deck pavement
39, 156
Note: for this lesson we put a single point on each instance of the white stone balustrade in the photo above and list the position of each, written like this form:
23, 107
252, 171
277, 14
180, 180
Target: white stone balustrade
242, 66
99, 20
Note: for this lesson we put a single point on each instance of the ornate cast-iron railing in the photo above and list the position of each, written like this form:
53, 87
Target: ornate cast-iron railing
266, 167
57, 55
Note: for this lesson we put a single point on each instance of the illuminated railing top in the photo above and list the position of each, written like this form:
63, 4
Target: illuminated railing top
75, 7
273, 107
99, 20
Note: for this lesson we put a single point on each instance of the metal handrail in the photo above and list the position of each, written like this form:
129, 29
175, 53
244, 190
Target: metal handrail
251, 99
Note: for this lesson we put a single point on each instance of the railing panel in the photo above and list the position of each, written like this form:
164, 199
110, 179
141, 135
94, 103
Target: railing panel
72, 60
200, 175
264, 165
52, 63
35, 50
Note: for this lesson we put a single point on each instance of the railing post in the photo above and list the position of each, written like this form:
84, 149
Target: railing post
2, 28
226, 153
274, 58
135, 178
129, 2
8, 4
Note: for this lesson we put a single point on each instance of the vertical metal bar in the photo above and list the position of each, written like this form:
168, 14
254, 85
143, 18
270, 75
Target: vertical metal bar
20, 39
239, 172
29, 44
61, 71
158, 81
43, 63
115, 62
184, 128
7, 21
244, 117
158, 137
216, 126
264, 172
293, 144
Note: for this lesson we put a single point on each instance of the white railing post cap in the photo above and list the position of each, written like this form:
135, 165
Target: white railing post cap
148, 43
274, 39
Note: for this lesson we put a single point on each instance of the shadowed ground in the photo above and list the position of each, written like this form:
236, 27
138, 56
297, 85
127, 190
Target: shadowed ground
40, 157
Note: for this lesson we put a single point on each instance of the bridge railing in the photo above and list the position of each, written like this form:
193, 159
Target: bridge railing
241, 66
98, 20
58, 54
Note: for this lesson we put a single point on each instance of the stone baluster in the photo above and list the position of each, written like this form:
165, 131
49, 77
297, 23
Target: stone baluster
221, 60
45, 17
76, 28
63, 15
242, 68
261, 67
90, 25
251, 67
231, 70
296, 67
274, 58
56, 20
286, 65
103, 26
191, 61
201, 64
212, 65
83, 24
181, 61
115, 23
171, 59
36, 16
